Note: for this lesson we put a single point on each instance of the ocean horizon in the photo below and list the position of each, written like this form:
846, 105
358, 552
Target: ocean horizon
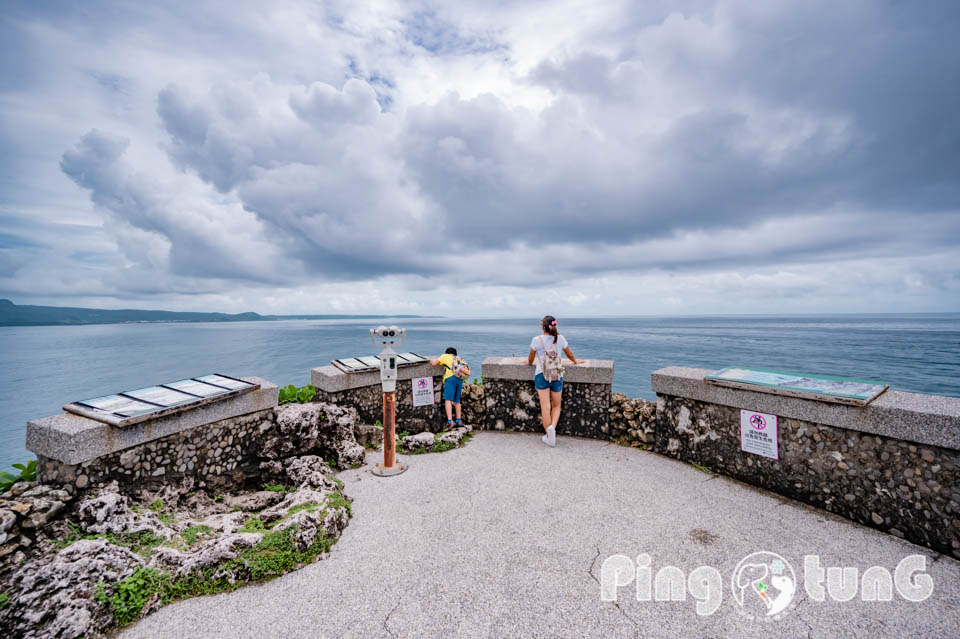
46, 367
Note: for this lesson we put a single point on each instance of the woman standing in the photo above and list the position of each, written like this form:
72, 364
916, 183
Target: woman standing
545, 352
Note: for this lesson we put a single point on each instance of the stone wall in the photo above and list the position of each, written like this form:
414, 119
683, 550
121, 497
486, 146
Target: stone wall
905, 487
511, 401
362, 391
220, 453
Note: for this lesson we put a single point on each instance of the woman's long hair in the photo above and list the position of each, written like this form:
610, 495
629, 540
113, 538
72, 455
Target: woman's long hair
549, 323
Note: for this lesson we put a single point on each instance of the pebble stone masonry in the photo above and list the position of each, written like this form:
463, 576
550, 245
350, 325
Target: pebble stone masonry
893, 464
512, 402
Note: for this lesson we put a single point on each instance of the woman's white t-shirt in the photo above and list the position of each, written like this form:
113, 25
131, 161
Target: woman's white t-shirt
537, 345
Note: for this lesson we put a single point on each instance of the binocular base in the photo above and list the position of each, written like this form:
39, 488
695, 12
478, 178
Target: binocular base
383, 471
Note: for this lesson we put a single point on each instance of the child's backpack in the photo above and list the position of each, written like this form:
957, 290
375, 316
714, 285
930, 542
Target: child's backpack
460, 369
552, 368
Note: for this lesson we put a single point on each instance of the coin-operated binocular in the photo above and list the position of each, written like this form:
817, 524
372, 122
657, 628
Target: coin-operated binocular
387, 336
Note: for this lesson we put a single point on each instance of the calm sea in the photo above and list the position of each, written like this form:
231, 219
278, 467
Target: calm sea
43, 368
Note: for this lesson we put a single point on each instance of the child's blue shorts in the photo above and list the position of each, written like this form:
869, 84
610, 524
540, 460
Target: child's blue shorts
452, 388
540, 383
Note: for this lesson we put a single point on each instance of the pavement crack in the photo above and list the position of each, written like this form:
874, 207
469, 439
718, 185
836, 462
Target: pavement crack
616, 604
386, 619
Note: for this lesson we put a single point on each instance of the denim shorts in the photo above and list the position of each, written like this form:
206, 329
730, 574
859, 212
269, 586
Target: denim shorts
452, 388
540, 383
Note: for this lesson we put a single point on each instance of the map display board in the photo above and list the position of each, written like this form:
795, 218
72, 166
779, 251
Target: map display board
372, 362
841, 390
134, 406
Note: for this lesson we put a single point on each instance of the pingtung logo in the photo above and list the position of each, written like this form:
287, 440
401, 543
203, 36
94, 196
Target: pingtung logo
763, 584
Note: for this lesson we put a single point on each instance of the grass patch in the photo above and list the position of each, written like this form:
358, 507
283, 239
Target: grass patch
4, 600
371, 446
442, 447
193, 534
703, 469
338, 482
254, 524
419, 451
279, 488
143, 543
402, 434
163, 513
130, 595
308, 506
274, 555
336, 500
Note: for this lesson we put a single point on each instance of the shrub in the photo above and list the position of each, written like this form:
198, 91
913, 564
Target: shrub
28, 472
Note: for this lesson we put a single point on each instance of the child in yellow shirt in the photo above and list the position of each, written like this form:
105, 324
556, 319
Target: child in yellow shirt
452, 386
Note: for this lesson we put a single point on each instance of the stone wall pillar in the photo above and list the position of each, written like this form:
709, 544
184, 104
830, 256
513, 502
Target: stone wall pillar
512, 401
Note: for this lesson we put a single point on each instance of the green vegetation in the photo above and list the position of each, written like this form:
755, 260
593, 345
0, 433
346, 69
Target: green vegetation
308, 506
274, 555
192, 534
130, 595
371, 446
402, 434
478, 381
378, 424
142, 542
291, 394
254, 524
279, 488
336, 500
28, 472
338, 482
4, 600
704, 469
163, 513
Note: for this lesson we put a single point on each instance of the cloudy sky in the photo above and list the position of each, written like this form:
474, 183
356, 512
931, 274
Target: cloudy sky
492, 158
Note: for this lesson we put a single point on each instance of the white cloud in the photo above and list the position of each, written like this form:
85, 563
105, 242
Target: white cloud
435, 158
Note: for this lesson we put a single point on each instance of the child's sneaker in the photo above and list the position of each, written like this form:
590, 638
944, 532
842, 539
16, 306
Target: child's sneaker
449, 425
459, 423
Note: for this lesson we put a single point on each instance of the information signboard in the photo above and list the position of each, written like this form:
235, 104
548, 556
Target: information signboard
841, 390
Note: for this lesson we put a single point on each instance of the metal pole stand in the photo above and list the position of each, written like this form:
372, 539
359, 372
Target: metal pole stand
387, 336
389, 467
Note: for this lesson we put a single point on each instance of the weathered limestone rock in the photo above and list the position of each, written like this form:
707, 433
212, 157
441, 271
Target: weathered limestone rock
55, 599
418, 441
632, 417
248, 502
206, 554
317, 428
110, 512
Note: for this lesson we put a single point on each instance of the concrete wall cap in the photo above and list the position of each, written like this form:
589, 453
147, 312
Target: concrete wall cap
590, 371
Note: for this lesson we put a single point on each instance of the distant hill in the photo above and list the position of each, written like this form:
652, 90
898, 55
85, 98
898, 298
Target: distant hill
16, 315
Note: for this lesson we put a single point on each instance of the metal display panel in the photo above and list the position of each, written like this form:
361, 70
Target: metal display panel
198, 389
161, 396
841, 390
120, 405
133, 407
372, 362
224, 381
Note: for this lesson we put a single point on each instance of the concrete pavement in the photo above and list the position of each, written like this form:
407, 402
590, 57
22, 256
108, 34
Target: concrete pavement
506, 537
